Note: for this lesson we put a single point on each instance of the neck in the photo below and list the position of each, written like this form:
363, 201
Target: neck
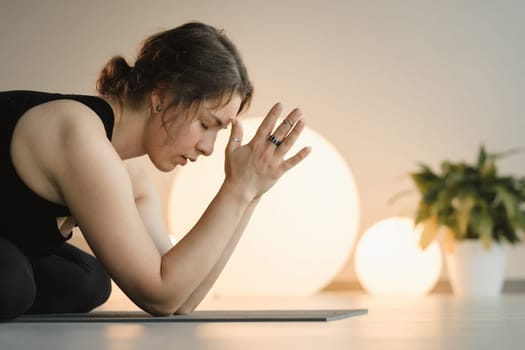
128, 129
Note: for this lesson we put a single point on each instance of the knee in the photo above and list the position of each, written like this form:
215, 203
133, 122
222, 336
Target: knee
96, 286
17, 287
15, 298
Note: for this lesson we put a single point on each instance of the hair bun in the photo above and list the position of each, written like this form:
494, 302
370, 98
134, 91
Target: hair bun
114, 77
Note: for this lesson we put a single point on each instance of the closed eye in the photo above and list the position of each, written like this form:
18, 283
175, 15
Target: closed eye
204, 126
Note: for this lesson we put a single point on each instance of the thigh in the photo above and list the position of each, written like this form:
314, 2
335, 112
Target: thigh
70, 280
17, 287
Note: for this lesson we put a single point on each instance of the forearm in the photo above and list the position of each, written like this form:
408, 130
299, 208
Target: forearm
202, 290
190, 268
186, 265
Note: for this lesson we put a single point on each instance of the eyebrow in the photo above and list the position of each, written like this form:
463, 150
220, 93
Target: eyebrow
218, 121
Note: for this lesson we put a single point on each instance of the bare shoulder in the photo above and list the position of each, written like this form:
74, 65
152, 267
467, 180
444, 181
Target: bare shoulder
64, 115
50, 124
47, 135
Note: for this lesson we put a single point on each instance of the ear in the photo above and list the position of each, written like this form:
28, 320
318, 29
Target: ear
155, 100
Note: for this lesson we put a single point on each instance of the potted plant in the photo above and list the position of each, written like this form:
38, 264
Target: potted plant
472, 210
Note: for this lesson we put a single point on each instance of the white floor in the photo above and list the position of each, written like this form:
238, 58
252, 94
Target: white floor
435, 321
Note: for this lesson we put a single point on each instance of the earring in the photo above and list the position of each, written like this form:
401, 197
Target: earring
158, 108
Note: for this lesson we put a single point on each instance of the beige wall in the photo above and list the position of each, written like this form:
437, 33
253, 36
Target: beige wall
388, 82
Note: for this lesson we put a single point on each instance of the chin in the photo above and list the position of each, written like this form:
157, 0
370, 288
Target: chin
165, 168
169, 169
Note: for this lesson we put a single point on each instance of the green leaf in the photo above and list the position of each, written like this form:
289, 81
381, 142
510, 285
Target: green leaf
520, 220
464, 213
425, 179
398, 195
509, 234
482, 156
422, 213
485, 227
507, 153
510, 202
488, 169
430, 231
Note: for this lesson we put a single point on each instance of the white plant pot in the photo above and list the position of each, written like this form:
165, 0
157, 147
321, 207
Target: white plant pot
476, 271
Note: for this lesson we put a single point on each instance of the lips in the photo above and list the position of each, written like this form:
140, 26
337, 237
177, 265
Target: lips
186, 159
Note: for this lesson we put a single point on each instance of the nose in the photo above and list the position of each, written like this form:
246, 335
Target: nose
206, 144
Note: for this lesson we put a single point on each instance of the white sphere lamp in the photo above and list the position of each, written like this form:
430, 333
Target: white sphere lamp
389, 261
301, 232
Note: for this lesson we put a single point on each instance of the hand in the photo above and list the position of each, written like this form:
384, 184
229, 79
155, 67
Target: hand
253, 168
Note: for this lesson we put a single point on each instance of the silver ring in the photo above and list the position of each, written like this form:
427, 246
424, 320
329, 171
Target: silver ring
286, 121
274, 140
236, 139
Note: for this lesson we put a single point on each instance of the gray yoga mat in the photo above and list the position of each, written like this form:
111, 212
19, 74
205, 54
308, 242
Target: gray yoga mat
199, 316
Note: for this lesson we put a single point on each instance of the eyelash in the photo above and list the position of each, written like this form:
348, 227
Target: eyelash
204, 126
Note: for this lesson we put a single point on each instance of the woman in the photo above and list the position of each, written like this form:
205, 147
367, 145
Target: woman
66, 161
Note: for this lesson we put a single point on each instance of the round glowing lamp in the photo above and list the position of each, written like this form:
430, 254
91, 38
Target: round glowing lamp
389, 261
301, 232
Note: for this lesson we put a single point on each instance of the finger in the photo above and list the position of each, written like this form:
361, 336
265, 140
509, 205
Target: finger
287, 124
268, 123
235, 136
295, 159
290, 139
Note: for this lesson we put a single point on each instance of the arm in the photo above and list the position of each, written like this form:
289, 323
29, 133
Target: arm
147, 201
196, 297
111, 223
96, 186
148, 204
202, 290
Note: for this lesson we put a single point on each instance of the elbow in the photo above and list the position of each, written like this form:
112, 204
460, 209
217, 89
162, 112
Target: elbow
163, 307
169, 305
169, 296
167, 310
158, 311
185, 310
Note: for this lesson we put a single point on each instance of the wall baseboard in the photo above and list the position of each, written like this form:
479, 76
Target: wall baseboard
441, 287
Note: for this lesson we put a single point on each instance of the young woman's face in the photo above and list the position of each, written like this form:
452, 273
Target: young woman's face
188, 137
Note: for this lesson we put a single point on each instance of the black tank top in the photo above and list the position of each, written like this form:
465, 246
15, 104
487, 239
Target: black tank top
28, 220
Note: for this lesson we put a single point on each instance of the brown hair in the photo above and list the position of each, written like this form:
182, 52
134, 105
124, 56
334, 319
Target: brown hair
194, 60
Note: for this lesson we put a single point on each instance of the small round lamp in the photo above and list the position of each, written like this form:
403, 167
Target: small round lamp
389, 261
